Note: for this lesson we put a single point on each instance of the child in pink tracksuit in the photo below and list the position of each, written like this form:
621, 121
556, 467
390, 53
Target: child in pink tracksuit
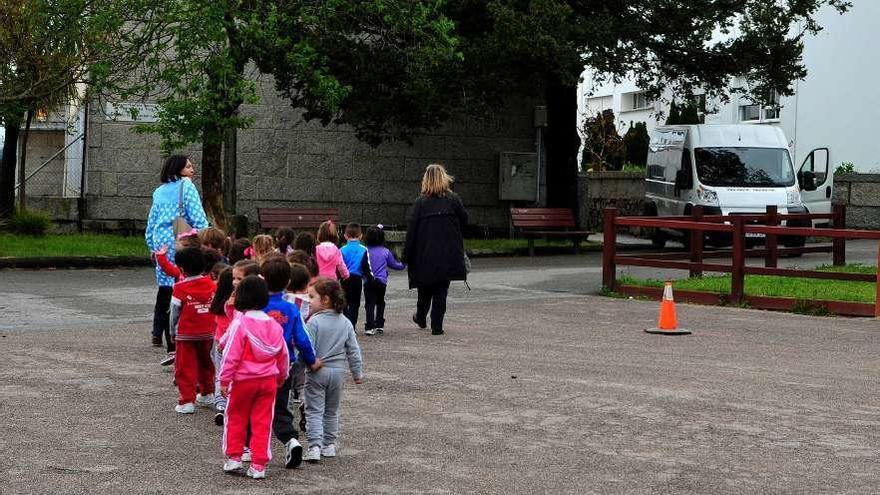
329, 258
255, 362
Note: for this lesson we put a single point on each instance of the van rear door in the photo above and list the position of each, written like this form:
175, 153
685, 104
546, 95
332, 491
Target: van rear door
816, 181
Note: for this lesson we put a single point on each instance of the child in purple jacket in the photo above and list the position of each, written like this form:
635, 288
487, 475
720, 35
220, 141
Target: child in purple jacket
374, 290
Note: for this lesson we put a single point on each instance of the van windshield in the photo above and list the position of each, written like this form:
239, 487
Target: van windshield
745, 167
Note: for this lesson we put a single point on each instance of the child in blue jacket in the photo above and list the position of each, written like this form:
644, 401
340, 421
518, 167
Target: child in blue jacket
276, 271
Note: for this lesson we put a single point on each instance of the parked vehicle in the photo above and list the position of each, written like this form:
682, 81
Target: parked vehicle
731, 169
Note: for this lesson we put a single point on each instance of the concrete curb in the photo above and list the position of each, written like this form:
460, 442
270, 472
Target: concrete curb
81, 262
58, 262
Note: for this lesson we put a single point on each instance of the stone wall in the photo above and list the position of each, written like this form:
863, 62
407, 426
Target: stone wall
599, 190
284, 161
861, 195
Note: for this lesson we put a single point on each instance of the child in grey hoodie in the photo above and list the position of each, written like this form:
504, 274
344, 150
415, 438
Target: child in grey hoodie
335, 343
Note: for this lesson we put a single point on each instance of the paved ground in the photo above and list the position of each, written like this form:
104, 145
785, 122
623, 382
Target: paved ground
536, 388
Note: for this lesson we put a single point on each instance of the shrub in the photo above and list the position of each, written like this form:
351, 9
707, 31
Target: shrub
28, 222
635, 143
603, 147
845, 168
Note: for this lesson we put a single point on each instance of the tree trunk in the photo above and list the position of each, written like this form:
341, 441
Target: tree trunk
212, 176
22, 169
562, 143
7, 168
230, 154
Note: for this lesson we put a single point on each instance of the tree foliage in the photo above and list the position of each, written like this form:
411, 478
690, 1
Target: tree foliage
604, 148
635, 143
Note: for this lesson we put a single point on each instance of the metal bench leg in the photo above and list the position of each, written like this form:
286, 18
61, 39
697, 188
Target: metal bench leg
531, 246
577, 245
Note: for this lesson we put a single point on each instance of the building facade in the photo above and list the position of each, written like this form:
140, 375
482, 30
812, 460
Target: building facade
835, 106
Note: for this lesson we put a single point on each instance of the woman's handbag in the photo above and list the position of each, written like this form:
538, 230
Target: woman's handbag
180, 224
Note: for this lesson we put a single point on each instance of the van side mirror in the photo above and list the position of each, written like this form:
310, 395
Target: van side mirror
807, 180
683, 180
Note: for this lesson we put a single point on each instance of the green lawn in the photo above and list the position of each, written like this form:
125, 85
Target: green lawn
521, 245
72, 245
763, 285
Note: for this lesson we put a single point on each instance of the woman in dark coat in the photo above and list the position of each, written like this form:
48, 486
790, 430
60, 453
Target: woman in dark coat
434, 249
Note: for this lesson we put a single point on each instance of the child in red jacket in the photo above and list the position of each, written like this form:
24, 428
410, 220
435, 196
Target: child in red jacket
255, 363
192, 325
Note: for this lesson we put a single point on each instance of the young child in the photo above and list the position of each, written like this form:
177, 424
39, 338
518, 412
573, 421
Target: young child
193, 327
263, 246
184, 240
284, 238
301, 257
327, 255
212, 257
298, 294
276, 272
215, 238
241, 249
223, 311
335, 343
255, 364
381, 258
358, 263
305, 241
298, 288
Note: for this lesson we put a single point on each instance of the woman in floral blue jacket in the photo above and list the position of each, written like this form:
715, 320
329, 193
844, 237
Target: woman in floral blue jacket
177, 173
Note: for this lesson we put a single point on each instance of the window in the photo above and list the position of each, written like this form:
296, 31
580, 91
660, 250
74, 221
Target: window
635, 101
749, 113
744, 167
759, 113
597, 104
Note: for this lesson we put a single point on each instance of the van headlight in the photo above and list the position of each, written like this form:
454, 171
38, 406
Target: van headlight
792, 197
707, 196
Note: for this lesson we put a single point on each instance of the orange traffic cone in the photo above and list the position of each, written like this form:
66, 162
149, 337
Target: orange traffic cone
667, 324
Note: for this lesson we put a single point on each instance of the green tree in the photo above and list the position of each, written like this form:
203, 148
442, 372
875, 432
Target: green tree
603, 145
674, 117
59, 52
535, 49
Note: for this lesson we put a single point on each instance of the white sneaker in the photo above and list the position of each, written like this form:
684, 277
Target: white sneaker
168, 361
246, 456
329, 451
293, 454
313, 455
372, 331
187, 408
256, 474
206, 400
232, 465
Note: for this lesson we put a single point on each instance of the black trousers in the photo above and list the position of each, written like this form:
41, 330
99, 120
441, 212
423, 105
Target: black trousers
374, 304
352, 286
282, 422
432, 297
161, 317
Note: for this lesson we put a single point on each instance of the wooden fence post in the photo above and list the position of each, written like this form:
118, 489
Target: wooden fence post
838, 244
737, 273
609, 249
877, 287
697, 242
771, 241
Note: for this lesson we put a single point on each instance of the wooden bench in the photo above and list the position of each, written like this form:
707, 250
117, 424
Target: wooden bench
547, 222
296, 218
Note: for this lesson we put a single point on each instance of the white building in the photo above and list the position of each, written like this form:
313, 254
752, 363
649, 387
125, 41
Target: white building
836, 106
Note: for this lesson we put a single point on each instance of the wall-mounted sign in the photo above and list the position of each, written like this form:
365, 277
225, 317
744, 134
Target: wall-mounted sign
131, 112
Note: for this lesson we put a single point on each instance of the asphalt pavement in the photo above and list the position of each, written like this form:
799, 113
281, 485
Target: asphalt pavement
537, 387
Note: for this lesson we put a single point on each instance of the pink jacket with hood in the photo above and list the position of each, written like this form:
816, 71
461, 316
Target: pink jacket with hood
330, 261
254, 348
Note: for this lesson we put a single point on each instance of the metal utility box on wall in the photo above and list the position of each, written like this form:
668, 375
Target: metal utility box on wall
519, 176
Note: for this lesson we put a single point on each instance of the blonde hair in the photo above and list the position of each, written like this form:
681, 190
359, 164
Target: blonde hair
263, 245
436, 182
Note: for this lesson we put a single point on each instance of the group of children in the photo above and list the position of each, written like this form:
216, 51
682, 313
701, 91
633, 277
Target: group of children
258, 322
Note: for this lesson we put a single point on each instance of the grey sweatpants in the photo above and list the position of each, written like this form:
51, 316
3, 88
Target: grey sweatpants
323, 393
220, 401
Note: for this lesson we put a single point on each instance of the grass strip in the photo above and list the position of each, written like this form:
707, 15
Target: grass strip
71, 245
522, 245
775, 286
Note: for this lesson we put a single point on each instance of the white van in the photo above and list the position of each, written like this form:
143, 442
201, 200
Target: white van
730, 169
